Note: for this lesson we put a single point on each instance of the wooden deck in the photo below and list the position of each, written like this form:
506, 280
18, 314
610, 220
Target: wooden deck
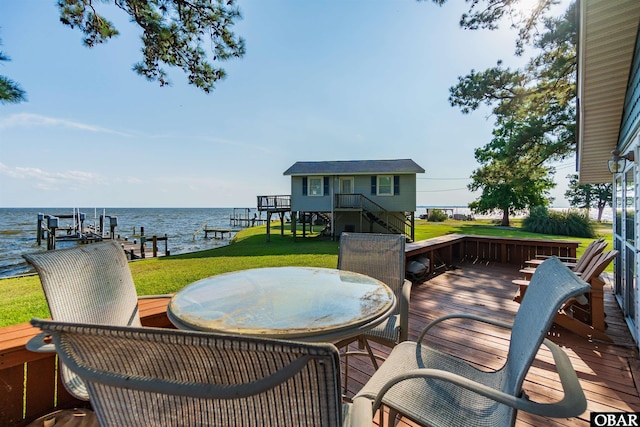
607, 371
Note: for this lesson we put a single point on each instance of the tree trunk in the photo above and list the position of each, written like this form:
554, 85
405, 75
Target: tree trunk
505, 218
601, 207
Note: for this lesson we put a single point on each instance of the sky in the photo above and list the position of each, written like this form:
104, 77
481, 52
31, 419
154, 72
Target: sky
320, 80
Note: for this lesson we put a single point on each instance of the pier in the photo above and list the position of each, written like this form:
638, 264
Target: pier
51, 229
241, 217
217, 231
138, 249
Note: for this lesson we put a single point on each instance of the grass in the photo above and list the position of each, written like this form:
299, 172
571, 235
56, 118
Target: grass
22, 298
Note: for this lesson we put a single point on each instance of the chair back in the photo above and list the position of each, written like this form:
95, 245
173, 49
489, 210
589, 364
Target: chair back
166, 377
380, 256
551, 285
88, 284
598, 264
595, 248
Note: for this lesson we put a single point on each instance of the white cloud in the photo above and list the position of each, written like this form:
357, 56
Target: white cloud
36, 120
71, 179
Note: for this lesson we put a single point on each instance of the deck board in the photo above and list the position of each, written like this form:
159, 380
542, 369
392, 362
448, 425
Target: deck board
606, 370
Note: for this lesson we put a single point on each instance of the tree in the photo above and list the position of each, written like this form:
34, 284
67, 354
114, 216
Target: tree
495, 11
510, 181
534, 106
10, 91
173, 33
589, 195
541, 96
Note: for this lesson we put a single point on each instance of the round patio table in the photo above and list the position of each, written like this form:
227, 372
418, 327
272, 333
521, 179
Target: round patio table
294, 303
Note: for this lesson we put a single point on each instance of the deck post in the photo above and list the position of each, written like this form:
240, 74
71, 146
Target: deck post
413, 226
304, 224
281, 224
294, 225
52, 225
39, 229
268, 226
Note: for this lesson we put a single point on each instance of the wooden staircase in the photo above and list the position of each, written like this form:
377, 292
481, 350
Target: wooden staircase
374, 213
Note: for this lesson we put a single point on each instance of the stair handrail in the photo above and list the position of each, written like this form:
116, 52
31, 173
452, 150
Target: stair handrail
360, 201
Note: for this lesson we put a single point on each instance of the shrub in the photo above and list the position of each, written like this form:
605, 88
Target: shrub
436, 215
563, 223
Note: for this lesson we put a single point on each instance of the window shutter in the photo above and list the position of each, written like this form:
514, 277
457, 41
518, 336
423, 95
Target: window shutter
373, 186
304, 185
326, 185
396, 185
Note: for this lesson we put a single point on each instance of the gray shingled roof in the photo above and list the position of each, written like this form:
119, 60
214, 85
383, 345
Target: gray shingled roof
342, 167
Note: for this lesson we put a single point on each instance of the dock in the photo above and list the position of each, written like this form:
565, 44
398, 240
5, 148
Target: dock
51, 229
145, 247
241, 217
216, 231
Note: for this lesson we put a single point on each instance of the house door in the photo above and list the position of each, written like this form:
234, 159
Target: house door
346, 185
625, 242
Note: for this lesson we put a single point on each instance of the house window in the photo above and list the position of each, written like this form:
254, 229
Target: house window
385, 185
316, 186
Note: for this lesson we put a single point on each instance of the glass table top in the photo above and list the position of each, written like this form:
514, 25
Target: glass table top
285, 302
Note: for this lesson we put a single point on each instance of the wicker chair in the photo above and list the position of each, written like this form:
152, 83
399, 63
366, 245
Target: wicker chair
166, 377
434, 388
85, 284
380, 256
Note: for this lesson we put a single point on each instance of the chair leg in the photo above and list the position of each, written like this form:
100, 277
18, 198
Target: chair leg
393, 415
346, 371
363, 343
370, 352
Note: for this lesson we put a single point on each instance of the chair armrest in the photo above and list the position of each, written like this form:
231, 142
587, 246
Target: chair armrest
404, 310
561, 258
155, 296
361, 414
41, 343
462, 316
572, 404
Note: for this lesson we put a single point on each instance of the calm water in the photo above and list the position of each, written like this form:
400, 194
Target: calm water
18, 229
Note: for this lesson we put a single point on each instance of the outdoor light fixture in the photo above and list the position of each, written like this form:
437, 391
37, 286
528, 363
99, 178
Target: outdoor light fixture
618, 162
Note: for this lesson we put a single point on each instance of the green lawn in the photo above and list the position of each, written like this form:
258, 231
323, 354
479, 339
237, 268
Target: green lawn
22, 298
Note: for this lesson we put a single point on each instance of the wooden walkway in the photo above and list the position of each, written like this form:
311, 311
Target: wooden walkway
608, 372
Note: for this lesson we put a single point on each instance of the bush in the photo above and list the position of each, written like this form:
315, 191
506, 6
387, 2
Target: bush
563, 223
436, 215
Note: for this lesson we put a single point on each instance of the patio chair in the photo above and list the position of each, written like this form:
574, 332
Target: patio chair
380, 256
87, 284
435, 388
166, 377
585, 262
576, 264
584, 314
587, 318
